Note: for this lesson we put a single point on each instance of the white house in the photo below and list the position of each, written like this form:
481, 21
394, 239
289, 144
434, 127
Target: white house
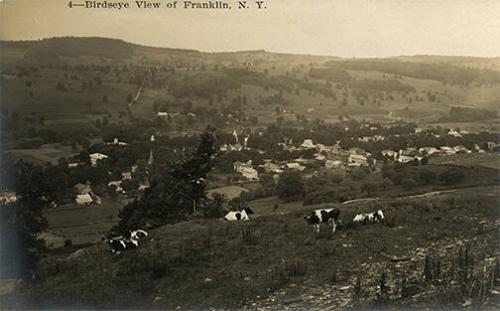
249, 173
447, 150
461, 149
428, 150
144, 185
454, 133
117, 184
389, 153
8, 197
270, 167
295, 166
405, 159
126, 176
94, 157
333, 164
308, 143
246, 170
117, 142
357, 160
83, 199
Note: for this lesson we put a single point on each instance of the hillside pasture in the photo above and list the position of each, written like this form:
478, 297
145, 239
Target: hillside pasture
204, 264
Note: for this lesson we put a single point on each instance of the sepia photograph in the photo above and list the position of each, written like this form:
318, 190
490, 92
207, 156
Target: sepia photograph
250, 155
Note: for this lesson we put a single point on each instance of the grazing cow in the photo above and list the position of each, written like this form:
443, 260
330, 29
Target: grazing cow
239, 215
130, 241
372, 217
323, 216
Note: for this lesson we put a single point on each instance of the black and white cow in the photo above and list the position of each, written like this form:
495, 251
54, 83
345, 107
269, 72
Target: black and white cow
138, 234
372, 217
323, 216
239, 215
129, 241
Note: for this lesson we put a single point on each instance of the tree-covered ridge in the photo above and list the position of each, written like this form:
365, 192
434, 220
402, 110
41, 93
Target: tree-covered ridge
445, 73
458, 114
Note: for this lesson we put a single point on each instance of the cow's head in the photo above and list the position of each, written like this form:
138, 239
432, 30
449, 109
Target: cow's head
380, 214
312, 218
139, 233
335, 213
248, 210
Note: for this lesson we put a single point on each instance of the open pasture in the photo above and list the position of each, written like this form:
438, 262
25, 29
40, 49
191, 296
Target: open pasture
269, 255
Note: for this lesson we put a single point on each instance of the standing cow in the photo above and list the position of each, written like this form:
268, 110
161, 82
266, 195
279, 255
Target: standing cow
323, 216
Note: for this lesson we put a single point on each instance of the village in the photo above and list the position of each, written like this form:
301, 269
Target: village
306, 157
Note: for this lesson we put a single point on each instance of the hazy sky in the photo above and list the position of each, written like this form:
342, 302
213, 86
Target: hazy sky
359, 28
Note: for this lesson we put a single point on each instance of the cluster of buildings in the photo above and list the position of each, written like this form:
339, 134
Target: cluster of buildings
417, 155
331, 158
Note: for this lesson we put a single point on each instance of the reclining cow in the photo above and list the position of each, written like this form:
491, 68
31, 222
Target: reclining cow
239, 215
130, 241
368, 218
323, 216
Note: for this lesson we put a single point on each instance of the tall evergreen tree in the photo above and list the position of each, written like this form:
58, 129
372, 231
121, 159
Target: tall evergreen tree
175, 194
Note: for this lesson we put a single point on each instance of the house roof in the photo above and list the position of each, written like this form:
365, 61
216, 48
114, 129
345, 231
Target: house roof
83, 198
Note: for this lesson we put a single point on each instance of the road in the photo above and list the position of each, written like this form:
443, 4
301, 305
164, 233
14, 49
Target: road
423, 195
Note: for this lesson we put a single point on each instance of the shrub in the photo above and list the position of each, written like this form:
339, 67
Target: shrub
451, 176
290, 186
215, 208
68, 243
408, 183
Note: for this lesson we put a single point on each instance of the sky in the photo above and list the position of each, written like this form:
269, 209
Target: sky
346, 28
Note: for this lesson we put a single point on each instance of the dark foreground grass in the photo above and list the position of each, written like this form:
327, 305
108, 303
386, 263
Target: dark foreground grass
211, 263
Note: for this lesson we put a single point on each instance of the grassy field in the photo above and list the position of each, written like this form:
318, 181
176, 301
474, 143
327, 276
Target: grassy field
211, 263
81, 225
487, 160
41, 156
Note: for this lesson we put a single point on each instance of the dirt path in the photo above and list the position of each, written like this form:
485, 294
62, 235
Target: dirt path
422, 195
137, 96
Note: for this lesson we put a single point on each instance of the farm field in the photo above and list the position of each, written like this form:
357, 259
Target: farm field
41, 156
488, 160
81, 225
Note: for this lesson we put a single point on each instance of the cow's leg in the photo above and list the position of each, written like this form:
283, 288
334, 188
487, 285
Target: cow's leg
334, 226
317, 228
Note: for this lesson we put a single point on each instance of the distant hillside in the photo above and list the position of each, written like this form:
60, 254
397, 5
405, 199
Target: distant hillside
88, 46
446, 59
119, 49
75, 78
443, 72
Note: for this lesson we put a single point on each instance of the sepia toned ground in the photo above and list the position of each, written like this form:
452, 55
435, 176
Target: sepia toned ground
277, 261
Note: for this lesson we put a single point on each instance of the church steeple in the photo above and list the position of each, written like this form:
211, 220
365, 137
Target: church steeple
151, 158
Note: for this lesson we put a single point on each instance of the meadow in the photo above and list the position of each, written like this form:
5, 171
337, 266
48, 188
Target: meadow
201, 264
